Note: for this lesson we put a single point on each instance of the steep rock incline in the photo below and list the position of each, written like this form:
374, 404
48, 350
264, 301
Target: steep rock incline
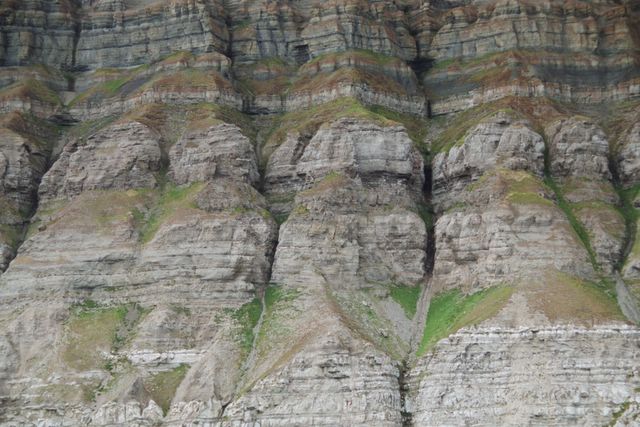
579, 51
343, 213
121, 156
521, 260
624, 136
181, 79
300, 29
579, 153
135, 33
24, 153
564, 376
120, 253
38, 31
329, 333
498, 141
498, 220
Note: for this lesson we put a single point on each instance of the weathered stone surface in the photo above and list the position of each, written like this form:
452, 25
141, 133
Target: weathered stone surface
213, 240
578, 148
509, 230
350, 147
629, 157
36, 31
236, 222
333, 384
122, 156
497, 142
503, 376
140, 33
579, 161
217, 151
24, 153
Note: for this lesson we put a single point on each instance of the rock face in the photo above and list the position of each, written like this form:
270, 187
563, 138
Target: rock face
298, 213
496, 142
121, 156
495, 359
219, 151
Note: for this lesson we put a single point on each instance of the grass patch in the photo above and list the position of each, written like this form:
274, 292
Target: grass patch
617, 414
31, 89
450, 311
275, 294
163, 385
93, 330
563, 297
307, 122
277, 300
370, 56
247, 318
107, 88
407, 297
361, 314
528, 199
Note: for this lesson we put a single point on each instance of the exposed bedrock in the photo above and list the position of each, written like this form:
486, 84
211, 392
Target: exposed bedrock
234, 213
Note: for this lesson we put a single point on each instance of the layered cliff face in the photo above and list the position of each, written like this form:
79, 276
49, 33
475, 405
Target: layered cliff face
292, 213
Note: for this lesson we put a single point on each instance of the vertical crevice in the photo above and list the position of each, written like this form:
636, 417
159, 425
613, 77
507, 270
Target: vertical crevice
46, 156
427, 191
405, 412
77, 30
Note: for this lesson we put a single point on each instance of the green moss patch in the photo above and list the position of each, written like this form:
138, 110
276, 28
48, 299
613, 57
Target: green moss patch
116, 79
93, 330
171, 199
247, 318
457, 129
277, 302
307, 122
163, 385
407, 297
450, 311
361, 313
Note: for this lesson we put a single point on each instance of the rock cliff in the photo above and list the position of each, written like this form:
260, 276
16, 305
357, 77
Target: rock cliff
277, 213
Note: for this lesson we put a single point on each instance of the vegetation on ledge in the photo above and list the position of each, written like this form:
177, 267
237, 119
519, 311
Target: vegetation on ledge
451, 311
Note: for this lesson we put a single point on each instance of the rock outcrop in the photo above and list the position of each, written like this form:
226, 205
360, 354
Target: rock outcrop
377, 213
